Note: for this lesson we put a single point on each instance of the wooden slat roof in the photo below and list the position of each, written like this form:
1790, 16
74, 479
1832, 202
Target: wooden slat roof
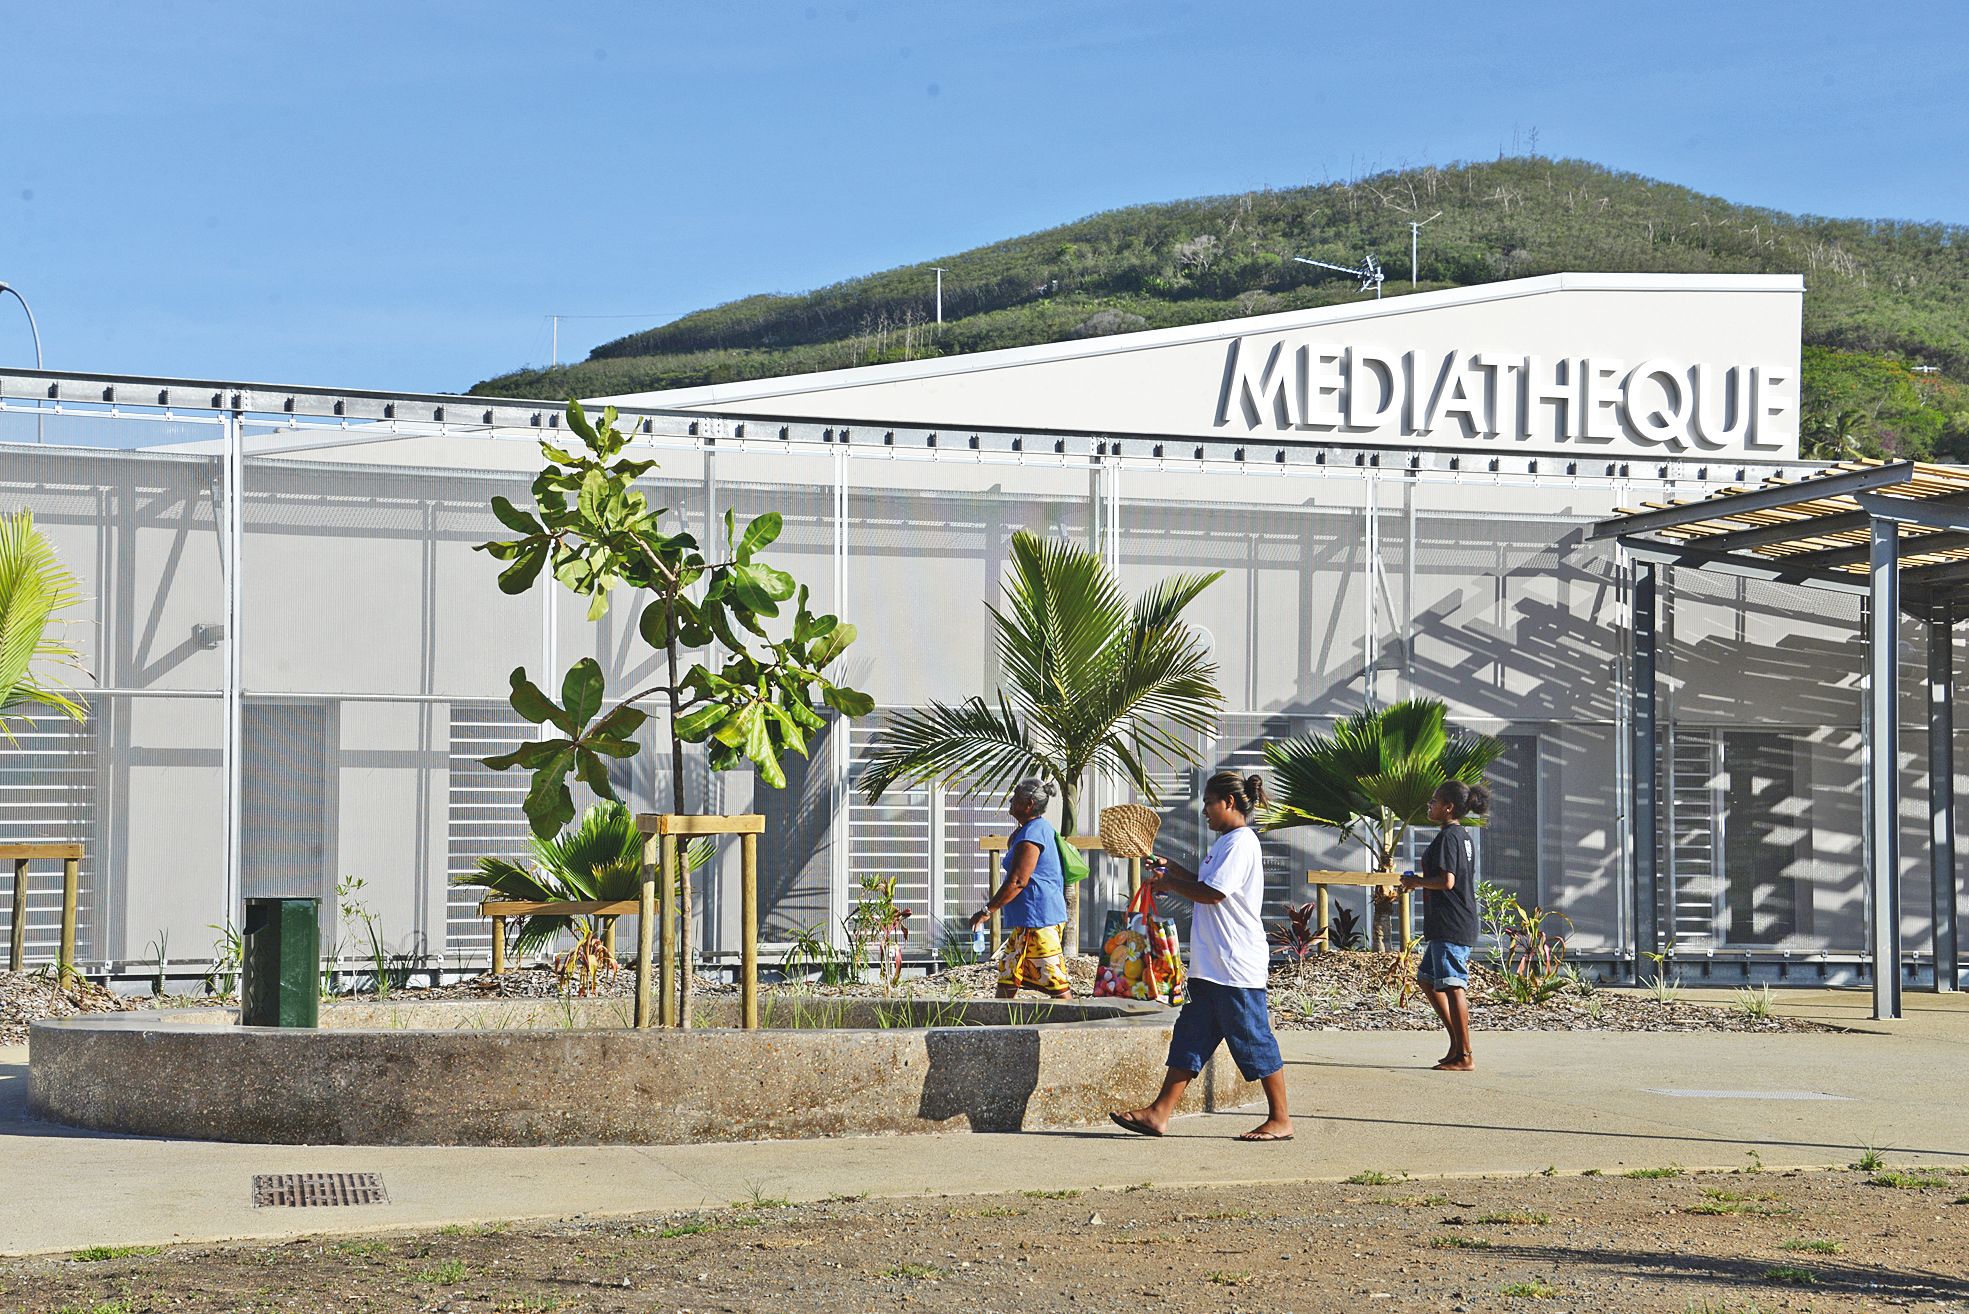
1822, 527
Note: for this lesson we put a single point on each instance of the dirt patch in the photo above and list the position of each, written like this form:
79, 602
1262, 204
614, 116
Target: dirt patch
1716, 1243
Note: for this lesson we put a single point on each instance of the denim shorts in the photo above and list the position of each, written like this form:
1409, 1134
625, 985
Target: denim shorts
1443, 966
1237, 1016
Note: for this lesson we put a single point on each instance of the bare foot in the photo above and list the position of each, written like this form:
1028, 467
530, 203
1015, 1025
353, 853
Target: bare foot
1462, 1063
1271, 1129
1143, 1122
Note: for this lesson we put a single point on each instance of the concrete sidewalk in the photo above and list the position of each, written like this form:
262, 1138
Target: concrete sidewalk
1362, 1100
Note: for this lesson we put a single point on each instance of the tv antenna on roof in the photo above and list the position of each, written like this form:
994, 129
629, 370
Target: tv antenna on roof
1368, 272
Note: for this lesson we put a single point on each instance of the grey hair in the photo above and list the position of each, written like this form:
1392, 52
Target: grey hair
1036, 791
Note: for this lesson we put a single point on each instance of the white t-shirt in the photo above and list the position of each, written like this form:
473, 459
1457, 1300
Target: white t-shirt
1227, 939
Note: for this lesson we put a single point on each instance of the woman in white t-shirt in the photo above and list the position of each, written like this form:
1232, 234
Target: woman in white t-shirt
1229, 962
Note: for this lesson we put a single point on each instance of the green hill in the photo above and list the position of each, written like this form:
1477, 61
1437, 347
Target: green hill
1883, 297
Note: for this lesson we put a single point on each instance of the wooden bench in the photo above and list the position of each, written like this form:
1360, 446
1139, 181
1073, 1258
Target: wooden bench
71, 860
1322, 880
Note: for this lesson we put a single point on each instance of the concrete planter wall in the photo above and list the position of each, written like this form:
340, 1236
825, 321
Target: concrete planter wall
568, 1073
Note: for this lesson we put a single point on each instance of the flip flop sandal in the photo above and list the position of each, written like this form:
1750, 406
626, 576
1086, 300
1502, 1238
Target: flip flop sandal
1129, 1124
1250, 1139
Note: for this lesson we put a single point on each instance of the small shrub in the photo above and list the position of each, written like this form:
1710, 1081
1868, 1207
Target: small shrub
1816, 1246
1870, 1161
1755, 1004
1900, 1181
1530, 1291
1514, 1216
1369, 1177
1786, 1275
93, 1254
1672, 1170
449, 1273
696, 1227
1051, 1195
363, 1249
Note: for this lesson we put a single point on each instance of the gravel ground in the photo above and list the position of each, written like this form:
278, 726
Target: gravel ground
1663, 1244
29, 996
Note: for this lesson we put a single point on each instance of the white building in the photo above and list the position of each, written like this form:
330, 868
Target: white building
1397, 492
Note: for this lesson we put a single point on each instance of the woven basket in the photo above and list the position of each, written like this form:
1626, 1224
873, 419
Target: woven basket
1128, 830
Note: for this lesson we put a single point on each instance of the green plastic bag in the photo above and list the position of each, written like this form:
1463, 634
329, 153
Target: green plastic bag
1073, 863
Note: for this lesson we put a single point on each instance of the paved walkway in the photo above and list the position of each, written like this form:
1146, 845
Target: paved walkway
1362, 1100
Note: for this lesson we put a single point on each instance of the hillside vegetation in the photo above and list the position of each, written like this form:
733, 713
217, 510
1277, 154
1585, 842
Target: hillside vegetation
1885, 300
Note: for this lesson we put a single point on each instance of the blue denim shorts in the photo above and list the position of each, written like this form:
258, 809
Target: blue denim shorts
1443, 966
1237, 1016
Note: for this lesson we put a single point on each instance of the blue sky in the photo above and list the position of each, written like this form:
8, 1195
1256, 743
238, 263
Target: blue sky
397, 194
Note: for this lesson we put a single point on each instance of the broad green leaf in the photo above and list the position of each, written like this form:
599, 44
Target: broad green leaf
621, 723
758, 742
593, 771
774, 584
736, 731
789, 729
519, 577
831, 645
769, 769
611, 747
651, 624
549, 805
530, 754
513, 518
693, 725
555, 454
761, 532
595, 488
581, 692
528, 700
577, 420
848, 702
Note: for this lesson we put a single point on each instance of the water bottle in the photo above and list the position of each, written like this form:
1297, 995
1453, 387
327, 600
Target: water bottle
979, 943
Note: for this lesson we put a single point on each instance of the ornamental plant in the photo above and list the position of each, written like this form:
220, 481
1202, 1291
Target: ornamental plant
756, 680
1372, 778
1094, 681
35, 588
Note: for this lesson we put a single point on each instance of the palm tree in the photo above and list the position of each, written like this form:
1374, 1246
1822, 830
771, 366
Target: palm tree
34, 588
1372, 778
1092, 683
599, 859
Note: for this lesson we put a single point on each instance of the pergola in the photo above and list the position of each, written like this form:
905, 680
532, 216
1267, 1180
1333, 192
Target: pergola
1894, 533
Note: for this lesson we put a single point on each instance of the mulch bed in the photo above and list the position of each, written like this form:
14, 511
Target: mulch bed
1327, 992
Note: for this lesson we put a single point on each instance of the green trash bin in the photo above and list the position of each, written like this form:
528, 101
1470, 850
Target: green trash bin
280, 982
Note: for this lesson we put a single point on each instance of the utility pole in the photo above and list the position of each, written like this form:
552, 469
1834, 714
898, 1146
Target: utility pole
1414, 234
940, 272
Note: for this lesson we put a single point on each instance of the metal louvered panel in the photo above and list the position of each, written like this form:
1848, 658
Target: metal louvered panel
48, 794
1695, 802
484, 815
890, 839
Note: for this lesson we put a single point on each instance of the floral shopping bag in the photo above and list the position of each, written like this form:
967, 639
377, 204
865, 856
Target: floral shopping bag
1140, 957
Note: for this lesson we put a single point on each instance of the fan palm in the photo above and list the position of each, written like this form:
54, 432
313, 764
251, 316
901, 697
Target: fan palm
599, 859
34, 588
1093, 682
1372, 778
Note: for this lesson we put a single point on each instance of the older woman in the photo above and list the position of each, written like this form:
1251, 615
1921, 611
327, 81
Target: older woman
1033, 899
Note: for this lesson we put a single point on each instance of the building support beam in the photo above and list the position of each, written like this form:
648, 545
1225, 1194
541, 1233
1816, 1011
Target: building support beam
1643, 803
1881, 751
1941, 794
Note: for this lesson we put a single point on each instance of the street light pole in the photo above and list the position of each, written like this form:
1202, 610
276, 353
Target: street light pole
939, 271
1414, 235
40, 421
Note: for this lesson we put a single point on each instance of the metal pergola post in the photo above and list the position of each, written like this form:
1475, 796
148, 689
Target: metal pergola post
1881, 749
1941, 793
1643, 805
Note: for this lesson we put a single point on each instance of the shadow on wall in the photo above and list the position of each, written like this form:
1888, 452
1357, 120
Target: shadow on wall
985, 1078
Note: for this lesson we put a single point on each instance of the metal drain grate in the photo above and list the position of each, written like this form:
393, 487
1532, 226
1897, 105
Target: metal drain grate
309, 1190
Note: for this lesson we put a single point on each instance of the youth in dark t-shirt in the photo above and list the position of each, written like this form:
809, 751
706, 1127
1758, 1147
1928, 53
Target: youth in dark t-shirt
1449, 916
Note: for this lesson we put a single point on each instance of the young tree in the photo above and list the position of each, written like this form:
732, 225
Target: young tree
751, 694
1093, 682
